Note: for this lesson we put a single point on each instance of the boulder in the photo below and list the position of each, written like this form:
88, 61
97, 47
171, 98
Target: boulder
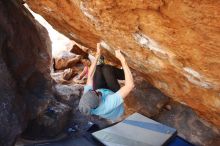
69, 73
68, 94
66, 60
189, 125
145, 99
50, 123
174, 44
25, 56
77, 50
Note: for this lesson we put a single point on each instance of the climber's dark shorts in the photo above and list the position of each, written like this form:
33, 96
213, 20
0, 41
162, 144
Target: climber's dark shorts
107, 76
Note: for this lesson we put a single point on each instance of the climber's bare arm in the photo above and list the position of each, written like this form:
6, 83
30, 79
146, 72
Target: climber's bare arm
93, 66
83, 73
129, 82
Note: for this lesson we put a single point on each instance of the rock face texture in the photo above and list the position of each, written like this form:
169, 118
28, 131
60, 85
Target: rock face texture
174, 44
66, 60
145, 99
25, 82
150, 102
50, 123
189, 125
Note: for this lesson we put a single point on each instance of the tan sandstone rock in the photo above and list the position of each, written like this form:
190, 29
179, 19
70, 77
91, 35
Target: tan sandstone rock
79, 51
174, 44
68, 73
66, 60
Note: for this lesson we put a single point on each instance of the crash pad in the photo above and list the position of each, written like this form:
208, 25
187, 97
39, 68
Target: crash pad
136, 130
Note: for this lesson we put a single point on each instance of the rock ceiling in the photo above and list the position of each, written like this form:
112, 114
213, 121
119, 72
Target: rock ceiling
174, 44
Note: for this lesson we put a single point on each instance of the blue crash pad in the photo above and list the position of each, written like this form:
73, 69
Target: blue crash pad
178, 141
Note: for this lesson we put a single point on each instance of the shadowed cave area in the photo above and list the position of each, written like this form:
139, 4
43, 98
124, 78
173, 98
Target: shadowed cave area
174, 61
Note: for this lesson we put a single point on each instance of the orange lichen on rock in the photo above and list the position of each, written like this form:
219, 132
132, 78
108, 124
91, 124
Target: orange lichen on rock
174, 44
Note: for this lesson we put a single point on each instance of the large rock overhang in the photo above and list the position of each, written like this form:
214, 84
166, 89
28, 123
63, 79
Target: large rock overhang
173, 44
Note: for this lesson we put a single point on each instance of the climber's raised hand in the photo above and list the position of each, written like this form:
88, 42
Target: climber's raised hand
93, 65
98, 50
119, 55
129, 82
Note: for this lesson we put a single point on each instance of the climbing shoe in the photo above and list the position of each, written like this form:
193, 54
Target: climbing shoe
101, 60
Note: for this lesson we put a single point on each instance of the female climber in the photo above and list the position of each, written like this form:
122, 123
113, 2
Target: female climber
102, 94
